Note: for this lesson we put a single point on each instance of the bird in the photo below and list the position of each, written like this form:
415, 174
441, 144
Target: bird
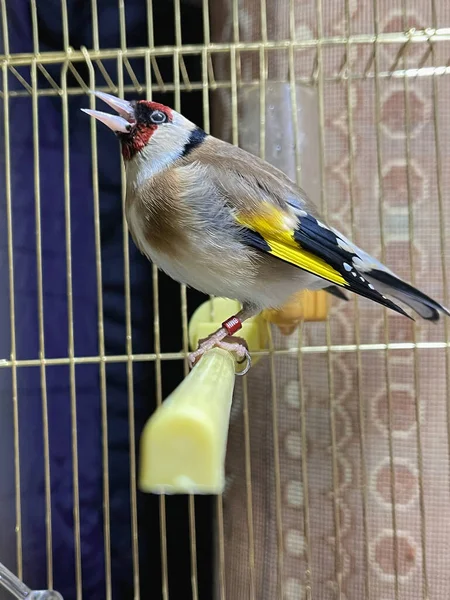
227, 223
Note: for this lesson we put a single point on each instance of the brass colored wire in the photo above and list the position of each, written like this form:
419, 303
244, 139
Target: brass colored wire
5, 35
95, 29
101, 340
65, 25
12, 320
331, 388
275, 433
22, 80
162, 86
40, 300
159, 399
359, 369
59, 57
157, 347
407, 115
206, 126
379, 153
34, 27
442, 229
263, 8
277, 471
249, 492
151, 357
99, 78
129, 348
49, 78
302, 398
183, 292
235, 17
71, 349
304, 471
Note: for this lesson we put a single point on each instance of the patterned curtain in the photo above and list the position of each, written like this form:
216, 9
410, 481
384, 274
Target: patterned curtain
350, 489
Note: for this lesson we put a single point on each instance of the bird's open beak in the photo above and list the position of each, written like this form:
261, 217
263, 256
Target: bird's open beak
118, 123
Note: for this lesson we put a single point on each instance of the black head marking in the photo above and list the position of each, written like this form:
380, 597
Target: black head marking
195, 139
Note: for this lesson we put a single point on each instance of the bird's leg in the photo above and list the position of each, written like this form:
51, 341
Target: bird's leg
217, 339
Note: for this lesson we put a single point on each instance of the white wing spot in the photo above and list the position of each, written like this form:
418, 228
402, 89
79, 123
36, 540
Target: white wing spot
371, 286
362, 278
358, 263
347, 267
343, 245
354, 274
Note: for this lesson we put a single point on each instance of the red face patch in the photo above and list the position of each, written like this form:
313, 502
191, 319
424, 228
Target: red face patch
144, 127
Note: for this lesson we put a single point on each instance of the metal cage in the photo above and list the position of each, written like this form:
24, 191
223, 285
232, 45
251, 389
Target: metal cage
339, 449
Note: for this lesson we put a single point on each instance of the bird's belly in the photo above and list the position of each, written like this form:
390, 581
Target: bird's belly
230, 269
200, 262
207, 273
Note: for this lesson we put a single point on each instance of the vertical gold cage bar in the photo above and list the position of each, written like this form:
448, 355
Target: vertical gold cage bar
12, 311
177, 58
207, 83
156, 323
129, 339
184, 314
331, 390
71, 349
128, 327
379, 152
207, 126
300, 372
40, 294
442, 229
249, 491
37, 195
359, 384
71, 343
414, 324
100, 325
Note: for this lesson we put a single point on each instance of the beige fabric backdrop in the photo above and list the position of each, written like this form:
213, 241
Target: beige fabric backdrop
372, 519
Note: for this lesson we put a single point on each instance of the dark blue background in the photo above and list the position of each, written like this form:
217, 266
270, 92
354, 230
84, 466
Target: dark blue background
85, 326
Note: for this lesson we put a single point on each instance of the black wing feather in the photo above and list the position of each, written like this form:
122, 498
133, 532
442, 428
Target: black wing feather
323, 242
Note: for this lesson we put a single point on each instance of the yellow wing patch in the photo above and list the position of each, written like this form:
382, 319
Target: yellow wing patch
277, 229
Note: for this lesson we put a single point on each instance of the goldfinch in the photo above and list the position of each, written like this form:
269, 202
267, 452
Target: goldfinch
218, 219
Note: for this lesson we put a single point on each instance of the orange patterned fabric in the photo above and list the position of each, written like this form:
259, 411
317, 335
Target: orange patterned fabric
372, 518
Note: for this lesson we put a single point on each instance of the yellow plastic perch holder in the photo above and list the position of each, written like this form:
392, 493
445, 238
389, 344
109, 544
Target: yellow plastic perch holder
303, 306
183, 444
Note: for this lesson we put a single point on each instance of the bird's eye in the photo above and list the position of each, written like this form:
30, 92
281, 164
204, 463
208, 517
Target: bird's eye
158, 117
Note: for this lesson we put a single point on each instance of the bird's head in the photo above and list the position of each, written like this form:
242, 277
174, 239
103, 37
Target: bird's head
143, 126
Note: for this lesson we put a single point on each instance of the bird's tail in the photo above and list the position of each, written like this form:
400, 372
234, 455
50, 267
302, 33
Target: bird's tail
390, 285
336, 291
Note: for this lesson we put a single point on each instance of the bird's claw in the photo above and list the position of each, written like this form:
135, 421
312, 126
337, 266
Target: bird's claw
229, 343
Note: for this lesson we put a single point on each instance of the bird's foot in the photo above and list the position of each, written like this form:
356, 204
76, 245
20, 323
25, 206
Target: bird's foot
221, 340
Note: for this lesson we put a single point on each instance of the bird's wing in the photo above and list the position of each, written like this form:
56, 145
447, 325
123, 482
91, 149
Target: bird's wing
312, 246
277, 218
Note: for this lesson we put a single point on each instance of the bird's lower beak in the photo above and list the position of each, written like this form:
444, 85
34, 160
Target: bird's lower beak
118, 123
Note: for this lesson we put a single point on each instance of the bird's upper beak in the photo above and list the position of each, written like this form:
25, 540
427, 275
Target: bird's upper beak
118, 123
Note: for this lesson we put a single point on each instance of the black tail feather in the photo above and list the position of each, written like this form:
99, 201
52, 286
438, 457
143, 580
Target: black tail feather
336, 291
422, 304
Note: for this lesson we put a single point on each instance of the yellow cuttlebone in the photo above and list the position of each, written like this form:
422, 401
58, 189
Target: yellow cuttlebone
274, 226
